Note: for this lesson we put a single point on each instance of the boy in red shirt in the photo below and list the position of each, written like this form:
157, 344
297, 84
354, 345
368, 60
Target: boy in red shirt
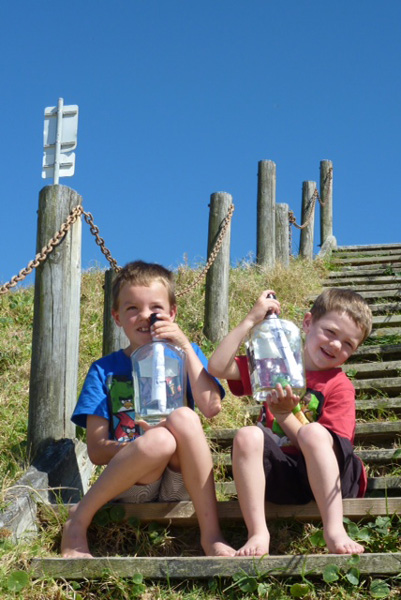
318, 461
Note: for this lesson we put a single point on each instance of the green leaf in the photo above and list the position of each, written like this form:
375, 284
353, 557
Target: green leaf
117, 514
17, 580
397, 453
137, 578
364, 534
353, 530
317, 539
353, 576
101, 518
379, 589
299, 590
331, 573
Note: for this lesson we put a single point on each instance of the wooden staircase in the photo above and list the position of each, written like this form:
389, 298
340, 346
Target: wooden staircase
375, 272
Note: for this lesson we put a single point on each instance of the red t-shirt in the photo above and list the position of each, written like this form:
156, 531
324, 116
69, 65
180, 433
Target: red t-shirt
336, 399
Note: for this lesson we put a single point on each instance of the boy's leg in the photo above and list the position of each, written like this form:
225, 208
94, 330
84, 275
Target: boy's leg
317, 446
249, 479
141, 461
193, 458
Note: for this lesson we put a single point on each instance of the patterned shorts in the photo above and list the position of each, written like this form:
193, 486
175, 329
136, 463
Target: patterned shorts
169, 488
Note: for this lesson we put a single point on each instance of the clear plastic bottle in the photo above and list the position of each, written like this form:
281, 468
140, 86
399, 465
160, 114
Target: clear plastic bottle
159, 377
275, 355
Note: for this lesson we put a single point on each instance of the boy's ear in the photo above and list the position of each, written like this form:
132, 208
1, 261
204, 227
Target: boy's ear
116, 316
173, 311
307, 322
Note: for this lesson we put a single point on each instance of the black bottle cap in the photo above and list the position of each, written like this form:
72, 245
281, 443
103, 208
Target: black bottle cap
153, 318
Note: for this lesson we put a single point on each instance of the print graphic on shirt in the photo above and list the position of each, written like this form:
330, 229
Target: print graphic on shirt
122, 409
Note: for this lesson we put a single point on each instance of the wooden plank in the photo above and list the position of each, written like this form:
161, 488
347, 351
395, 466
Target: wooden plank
391, 386
373, 369
378, 403
369, 247
183, 513
369, 457
375, 484
203, 567
361, 279
373, 352
372, 431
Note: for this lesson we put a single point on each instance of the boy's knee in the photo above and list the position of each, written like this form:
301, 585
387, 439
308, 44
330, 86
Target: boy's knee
248, 439
313, 435
157, 440
183, 418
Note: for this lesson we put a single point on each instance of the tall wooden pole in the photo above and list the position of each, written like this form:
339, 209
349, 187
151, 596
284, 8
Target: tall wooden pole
55, 338
266, 227
114, 337
326, 196
218, 276
282, 235
308, 216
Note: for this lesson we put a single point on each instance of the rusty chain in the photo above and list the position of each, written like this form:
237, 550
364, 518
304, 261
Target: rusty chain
315, 196
66, 226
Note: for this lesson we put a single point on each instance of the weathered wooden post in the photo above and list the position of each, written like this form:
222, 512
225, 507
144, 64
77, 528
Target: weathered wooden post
55, 338
218, 276
266, 228
114, 337
307, 219
282, 235
326, 197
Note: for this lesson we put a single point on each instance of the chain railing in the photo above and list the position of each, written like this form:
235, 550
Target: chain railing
69, 222
314, 198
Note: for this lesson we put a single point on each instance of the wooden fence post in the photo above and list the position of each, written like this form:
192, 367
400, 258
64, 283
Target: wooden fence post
266, 228
55, 338
326, 197
308, 216
218, 276
114, 337
282, 235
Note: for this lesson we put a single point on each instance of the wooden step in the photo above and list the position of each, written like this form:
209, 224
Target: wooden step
389, 368
195, 567
371, 352
372, 433
361, 280
376, 485
390, 386
367, 259
373, 248
362, 405
374, 457
366, 270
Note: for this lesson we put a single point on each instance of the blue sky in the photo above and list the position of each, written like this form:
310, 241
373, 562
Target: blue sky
179, 99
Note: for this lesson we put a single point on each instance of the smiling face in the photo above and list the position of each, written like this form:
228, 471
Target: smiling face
136, 304
330, 340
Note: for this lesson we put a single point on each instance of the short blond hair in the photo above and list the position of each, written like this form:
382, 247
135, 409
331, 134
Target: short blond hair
343, 300
143, 273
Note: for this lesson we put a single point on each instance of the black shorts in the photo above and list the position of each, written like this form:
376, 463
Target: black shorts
286, 475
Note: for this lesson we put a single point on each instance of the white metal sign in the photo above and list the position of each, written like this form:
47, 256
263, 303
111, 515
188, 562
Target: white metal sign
59, 140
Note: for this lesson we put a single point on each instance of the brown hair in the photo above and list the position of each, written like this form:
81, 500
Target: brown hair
344, 301
143, 273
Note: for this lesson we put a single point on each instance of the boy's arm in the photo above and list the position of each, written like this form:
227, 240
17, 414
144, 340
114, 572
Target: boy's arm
204, 388
222, 362
100, 448
281, 403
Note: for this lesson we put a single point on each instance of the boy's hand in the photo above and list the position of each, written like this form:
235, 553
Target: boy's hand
282, 401
169, 331
262, 306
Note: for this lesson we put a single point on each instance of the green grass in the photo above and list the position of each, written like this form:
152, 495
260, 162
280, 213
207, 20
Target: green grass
293, 287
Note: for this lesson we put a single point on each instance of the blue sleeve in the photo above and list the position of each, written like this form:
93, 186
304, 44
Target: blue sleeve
93, 397
204, 362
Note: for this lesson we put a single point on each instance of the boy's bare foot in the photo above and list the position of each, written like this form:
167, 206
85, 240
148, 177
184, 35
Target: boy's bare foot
341, 543
257, 545
74, 543
218, 547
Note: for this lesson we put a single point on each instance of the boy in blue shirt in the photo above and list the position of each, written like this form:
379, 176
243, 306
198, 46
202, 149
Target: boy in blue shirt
170, 461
